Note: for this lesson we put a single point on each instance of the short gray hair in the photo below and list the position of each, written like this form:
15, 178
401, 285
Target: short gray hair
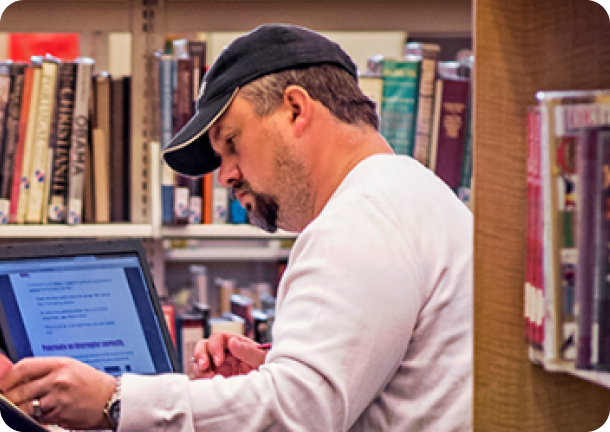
331, 86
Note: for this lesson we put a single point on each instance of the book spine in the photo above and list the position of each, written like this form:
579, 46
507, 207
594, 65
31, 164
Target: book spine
206, 211
42, 131
399, 103
117, 151
101, 149
538, 240
197, 50
452, 128
220, 201
464, 189
195, 200
183, 108
5, 91
530, 228
166, 95
58, 192
585, 225
26, 95
425, 103
24, 190
80, 137
600, 337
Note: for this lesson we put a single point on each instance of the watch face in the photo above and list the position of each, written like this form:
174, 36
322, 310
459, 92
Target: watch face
115, 411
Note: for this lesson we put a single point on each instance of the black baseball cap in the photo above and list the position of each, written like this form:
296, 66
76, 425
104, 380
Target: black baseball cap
267, 49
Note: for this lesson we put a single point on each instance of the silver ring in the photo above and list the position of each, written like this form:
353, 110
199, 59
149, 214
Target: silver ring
36, 408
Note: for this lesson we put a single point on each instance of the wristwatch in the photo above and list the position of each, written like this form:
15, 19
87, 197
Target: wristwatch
112, 409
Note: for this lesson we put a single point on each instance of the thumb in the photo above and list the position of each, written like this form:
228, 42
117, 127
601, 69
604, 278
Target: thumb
247, 353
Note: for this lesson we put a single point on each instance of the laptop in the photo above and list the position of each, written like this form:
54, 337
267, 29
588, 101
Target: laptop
92, 300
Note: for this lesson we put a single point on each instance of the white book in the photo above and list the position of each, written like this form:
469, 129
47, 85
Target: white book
40, 143
24, 186
80, 132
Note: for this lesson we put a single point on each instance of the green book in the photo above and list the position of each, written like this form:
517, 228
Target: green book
399, 102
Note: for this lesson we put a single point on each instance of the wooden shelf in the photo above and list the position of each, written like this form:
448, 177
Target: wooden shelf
75, 231
221, 231
271, 252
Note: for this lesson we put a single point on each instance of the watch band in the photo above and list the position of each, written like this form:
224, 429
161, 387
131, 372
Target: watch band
112, 407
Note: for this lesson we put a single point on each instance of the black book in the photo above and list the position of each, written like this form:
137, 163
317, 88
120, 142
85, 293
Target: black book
13, 114
60, 141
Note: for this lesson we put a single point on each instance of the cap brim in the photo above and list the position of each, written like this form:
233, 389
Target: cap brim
189, 152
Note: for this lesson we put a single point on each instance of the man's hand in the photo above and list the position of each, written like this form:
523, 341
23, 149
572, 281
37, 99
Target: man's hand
5, 364
72, 394
227, 355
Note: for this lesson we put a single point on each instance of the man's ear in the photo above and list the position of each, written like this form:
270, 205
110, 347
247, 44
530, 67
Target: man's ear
300, 105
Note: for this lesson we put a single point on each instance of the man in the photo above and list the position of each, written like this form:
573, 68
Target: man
373, 327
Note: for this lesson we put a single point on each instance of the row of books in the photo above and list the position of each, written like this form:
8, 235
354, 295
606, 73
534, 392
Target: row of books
425, 107
64, 143
567, 280
179, 69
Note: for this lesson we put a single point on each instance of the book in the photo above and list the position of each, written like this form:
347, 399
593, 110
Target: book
447, 148
429, 53
589, 238
183, 109
58, 192
563, 115
100, 146
206, 206
195, 200
197, 50
220, 201
5, 92
399, 102
16, 186
80, 140
534, 265
595, 244
119, 148
166, 68
28, 145
41, 140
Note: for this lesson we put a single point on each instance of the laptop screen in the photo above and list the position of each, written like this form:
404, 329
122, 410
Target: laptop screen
97, 307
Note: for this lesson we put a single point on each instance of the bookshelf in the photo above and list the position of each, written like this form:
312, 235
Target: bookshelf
523, 46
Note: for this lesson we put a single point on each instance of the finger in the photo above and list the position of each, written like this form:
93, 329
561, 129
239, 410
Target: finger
217, 343
201, 358
247, 352
26, 370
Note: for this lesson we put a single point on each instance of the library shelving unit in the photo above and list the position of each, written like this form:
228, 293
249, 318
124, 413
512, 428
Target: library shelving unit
149, 21
520, 47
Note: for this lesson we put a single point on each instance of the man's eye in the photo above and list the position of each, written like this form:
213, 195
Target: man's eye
230, 145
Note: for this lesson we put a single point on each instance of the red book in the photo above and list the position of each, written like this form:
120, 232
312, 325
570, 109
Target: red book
534, 304
18, 158
452, 116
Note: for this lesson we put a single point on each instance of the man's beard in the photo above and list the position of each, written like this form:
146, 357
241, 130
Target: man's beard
265, 212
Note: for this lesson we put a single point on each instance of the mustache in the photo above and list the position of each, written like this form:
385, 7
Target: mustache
242, 186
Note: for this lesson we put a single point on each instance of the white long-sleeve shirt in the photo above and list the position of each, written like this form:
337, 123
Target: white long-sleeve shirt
373, 328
